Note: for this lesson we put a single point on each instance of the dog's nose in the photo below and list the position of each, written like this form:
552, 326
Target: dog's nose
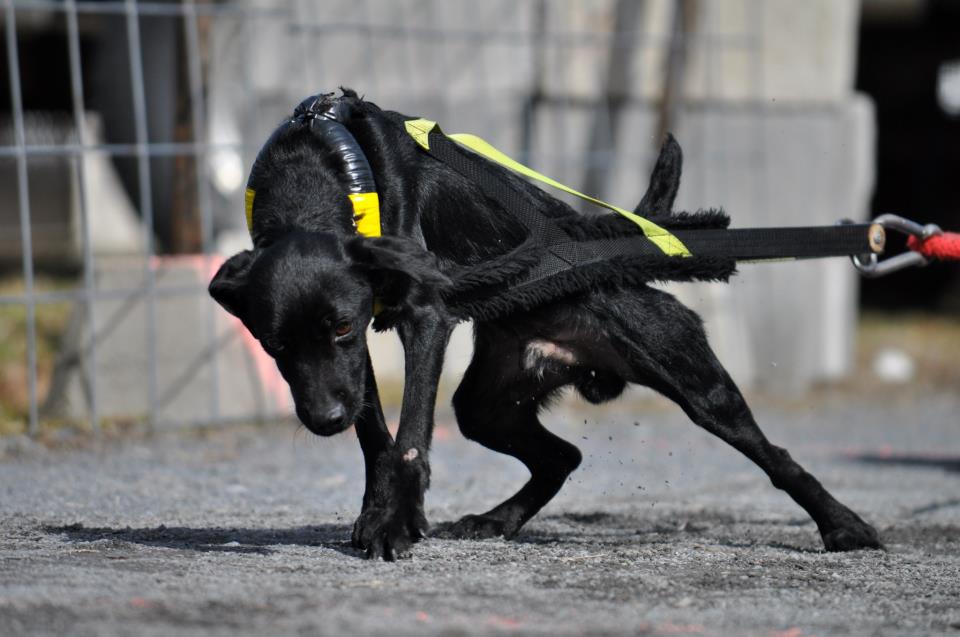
324, 421
334, 416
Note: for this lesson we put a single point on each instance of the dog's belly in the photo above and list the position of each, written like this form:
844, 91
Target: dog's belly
539, 352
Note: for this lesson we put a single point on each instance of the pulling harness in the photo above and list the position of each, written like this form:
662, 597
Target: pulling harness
563, 255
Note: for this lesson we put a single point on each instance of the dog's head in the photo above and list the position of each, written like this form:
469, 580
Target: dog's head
309, 297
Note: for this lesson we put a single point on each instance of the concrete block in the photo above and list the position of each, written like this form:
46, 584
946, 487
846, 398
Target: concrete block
740, 50
770, 130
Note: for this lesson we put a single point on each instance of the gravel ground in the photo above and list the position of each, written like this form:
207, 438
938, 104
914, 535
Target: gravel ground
663, 530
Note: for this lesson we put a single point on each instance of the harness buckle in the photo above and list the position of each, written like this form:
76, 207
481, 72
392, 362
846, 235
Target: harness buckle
871, 267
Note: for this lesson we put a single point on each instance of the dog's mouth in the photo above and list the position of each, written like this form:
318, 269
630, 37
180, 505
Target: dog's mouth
327, 431
324, 427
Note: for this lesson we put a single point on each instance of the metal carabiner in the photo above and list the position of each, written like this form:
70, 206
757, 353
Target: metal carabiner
871, 267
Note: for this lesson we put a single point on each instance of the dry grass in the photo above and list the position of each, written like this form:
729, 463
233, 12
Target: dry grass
932, 341
51, 324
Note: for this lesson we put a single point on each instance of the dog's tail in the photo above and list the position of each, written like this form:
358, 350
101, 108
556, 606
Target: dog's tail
657, 203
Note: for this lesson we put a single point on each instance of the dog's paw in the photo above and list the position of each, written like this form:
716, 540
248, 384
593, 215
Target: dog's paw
475, 527
417, 524
386, 534
852, 537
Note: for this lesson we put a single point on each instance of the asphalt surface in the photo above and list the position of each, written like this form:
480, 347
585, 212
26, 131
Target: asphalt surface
663, 531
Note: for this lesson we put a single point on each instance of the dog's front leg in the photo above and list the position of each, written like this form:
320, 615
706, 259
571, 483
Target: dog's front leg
376, 443
394, 519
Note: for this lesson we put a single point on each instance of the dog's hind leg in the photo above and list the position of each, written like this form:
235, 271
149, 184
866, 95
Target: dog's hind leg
666, 349
511, 374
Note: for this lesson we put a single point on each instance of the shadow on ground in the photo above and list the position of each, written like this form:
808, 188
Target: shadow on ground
567, 528
947, 463
231, 540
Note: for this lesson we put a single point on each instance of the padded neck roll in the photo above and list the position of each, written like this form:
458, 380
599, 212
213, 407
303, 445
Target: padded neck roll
326, 116
353, 166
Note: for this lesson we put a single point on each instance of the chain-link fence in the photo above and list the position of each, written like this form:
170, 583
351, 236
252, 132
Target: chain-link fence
129, 128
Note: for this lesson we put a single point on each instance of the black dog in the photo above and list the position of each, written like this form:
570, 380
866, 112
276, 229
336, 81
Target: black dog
308, 291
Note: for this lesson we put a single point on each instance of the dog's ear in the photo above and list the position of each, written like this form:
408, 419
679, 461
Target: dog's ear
664, 181
400, 271
229, 284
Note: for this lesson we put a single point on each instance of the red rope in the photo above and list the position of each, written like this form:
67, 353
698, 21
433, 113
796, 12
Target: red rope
945, 247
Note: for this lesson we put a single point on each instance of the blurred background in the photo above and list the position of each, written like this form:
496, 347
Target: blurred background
127, 129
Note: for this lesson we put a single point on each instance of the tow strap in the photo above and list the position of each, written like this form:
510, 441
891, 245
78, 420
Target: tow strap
740, 244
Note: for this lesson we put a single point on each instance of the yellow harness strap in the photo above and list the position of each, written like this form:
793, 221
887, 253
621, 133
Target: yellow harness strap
248, 196
366, 211
420, 129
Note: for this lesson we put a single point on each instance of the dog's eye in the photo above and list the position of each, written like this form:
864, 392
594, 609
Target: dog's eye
342, 329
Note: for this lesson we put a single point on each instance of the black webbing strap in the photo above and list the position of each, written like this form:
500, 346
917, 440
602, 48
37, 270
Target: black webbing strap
481, 172
744, 244
740, 244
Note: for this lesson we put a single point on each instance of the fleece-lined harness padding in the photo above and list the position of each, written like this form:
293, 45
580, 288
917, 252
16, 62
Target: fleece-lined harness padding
567, 255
